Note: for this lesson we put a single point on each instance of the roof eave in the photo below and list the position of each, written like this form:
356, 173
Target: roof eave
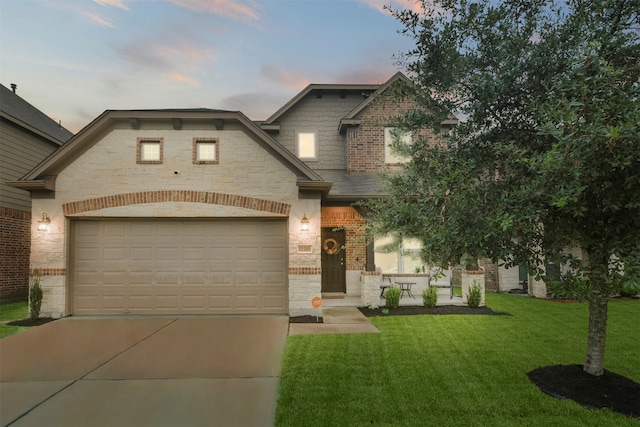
275, 116
320, 186
48, 184
345, 123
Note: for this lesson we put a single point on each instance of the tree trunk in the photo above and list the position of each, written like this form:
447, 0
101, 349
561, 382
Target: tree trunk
598, 303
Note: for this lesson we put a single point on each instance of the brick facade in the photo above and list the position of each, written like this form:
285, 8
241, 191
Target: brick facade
353, 223
366, 148
15, 235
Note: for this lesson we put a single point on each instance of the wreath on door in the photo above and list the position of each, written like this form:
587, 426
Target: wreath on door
330, 246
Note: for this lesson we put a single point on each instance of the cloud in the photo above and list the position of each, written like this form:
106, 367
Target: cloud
183, 79
366, 75
284, 78
255, 105
177, 59
172, 56
228, 8
395, 4
98, 20
112, 3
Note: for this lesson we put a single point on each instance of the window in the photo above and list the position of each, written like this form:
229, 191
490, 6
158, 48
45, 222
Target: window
390, 135
393, 255
205, 151
149, 151
306, 145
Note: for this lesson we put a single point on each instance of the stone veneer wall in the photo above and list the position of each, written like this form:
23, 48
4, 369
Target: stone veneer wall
370, 288
15, 235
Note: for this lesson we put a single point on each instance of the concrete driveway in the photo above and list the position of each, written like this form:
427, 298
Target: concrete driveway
160, 371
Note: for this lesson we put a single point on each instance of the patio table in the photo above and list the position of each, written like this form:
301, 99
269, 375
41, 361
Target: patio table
405, 287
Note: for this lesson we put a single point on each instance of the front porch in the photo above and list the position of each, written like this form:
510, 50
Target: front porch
343, 300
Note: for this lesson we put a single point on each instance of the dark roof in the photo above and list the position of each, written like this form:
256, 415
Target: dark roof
351, 187
26, 115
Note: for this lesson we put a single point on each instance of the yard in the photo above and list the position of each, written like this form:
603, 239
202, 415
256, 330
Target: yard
10, 312
453, 370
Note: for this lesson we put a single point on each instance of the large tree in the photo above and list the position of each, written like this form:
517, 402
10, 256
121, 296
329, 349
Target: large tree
547, 156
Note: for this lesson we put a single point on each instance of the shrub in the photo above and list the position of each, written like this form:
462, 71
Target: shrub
430, 297
567, 288
393, 297
475, 295
35, 295
630, 291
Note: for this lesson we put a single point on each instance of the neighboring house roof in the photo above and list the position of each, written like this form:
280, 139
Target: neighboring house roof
42, 177
20, 112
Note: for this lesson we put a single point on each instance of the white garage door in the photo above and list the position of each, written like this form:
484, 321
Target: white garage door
179, 267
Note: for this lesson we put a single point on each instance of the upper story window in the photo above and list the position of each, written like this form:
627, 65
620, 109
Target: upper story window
390, 135
307, 145
149, 151
206, 151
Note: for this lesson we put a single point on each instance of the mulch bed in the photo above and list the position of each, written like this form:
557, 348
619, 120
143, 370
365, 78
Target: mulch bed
31, 322
610, 390
444, 309
305, 319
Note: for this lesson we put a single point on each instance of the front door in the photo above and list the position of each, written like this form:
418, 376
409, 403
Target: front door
333, 260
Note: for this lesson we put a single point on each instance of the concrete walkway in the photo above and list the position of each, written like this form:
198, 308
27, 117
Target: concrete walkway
187, 371
337, 320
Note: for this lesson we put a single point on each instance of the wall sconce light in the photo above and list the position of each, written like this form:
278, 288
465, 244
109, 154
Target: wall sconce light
304, 223
43, 224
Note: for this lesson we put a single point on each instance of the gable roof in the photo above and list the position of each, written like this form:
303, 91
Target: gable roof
17, 110
316, 87
42, 177
351, 118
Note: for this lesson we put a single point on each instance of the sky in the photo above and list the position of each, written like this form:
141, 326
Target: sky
74, 59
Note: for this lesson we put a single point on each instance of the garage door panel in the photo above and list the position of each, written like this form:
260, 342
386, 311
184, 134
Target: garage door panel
273, 278
273, 301
137, 253
220, 302
117, 278
195, 253
249, 254
172, 267
274, 254
114, 230
247, 302
247, 278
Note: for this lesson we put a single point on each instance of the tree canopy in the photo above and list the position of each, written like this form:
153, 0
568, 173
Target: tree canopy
547, 156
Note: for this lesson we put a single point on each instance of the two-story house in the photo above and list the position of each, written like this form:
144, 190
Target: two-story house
27, 136
206, 211
343, 132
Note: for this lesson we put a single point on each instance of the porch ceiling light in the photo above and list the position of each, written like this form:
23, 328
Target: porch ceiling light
43, 224
304, 223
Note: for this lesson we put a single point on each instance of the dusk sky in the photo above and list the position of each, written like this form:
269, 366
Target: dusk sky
73, 59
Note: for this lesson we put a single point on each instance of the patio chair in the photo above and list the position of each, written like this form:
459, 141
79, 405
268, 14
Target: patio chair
384, 285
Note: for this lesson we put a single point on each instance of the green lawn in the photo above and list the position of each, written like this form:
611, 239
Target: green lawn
453, 370
10, 312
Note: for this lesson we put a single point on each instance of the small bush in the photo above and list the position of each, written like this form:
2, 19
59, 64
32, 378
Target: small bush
393, 297
475, 295
630, 291
430, 297
35, 295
